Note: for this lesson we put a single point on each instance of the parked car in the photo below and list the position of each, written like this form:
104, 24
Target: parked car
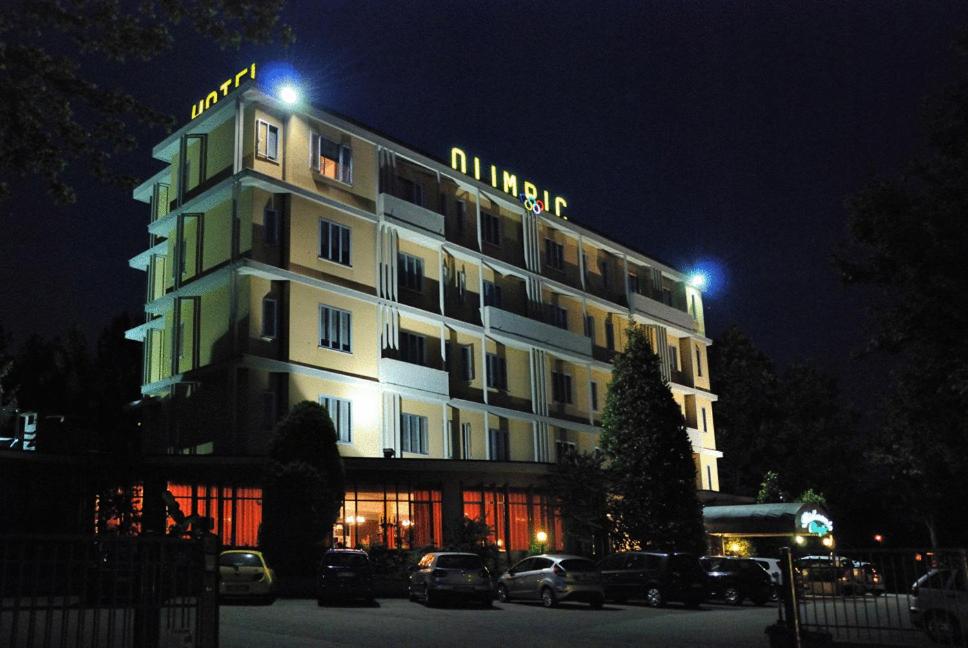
736, 579
773, 568
655, 577
551, 578
839, 575
344, 575
244, 574
939, 605
447, 575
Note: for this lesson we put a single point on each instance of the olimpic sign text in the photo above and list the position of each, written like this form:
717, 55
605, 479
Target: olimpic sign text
230, 84
814, 522
508, 183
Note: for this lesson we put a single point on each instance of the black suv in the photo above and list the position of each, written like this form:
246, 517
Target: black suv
344, 574
655, 577
736, 579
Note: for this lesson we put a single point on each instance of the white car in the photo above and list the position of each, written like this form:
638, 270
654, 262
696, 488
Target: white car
939, 605
772, 567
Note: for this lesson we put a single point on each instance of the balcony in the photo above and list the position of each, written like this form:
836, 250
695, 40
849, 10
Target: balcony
414, 216
535, 331
695, 439
415, 377
656, 309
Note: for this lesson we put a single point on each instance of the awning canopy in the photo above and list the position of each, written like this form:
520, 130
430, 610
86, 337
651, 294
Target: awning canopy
782, 519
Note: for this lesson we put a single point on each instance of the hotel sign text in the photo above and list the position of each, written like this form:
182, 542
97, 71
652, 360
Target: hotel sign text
507, 182
230, 84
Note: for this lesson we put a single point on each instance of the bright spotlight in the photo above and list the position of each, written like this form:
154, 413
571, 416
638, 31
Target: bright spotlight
698, 280
288, 94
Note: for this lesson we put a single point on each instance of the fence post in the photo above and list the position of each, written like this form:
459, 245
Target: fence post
791, 607
208, 609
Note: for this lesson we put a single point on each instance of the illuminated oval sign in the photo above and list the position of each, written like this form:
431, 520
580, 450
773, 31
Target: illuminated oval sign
230, 84
814, 522
509, 183
533, 205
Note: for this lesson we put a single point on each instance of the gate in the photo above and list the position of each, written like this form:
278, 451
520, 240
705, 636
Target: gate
887, 597
108, 592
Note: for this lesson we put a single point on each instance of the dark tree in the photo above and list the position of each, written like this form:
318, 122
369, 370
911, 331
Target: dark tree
745, 380
907, 247
55, 118
303, 488
649, 456
580, 484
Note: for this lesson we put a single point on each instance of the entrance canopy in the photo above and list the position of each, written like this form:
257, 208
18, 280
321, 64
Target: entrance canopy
784, 519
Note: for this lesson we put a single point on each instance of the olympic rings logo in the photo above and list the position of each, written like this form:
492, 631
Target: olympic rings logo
532, 205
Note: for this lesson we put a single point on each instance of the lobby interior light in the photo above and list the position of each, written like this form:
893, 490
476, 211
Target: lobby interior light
288, 93
541, 537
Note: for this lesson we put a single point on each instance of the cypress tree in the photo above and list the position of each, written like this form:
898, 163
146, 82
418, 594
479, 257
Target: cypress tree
644, 438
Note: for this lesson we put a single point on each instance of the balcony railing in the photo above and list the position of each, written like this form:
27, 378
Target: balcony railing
658, 310
530, 329
414, 215
414, 376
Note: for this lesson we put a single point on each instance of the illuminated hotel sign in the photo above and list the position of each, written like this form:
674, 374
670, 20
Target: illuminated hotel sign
814, 522
230, 84
507, 182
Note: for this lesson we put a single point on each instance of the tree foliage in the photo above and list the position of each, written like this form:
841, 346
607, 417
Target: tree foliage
303, 488
649, 455
55, 117
906, 246
770, 491
580, 484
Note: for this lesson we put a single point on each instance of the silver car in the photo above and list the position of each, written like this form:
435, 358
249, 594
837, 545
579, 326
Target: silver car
939, 605
551, 578
448, 575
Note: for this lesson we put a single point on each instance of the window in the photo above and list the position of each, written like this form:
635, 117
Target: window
412, 347
497, 372
334, 242
559, 316
267, 140
633, 282
340, 411
564, 448
411, 272
461, 280
560, 387
334, 329
590, 327
674, 358
270, 226
709, 478
465, 440
705, 427
467, 362
609, 335
491, 228
667, 297
497, 445
442, 204
492, 294
181, 339
270, 317
268, 410
411, 191
461, 215
594, 396
603, 269
554, 254
698, 362
692, 306
413, 434
331, 159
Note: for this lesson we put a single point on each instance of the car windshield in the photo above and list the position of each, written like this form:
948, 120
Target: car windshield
459, 561
578, 565
239, 560
354, 560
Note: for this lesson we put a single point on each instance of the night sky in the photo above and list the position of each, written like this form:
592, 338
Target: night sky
725, 132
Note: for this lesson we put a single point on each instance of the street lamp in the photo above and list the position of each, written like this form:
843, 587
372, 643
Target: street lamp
288, 93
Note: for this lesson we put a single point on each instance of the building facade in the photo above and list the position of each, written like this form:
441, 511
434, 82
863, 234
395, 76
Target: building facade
458, 341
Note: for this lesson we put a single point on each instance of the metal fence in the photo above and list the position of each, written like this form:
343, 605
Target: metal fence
903, 597
107, 592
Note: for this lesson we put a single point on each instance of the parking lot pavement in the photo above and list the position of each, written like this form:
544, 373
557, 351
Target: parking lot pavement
300, 623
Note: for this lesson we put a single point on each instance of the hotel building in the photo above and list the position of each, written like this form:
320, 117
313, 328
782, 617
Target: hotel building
458, 342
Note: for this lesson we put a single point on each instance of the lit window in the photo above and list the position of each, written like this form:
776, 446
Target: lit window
340, 412
331, 159
413, 434
267, 140
334, 329
334, 242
